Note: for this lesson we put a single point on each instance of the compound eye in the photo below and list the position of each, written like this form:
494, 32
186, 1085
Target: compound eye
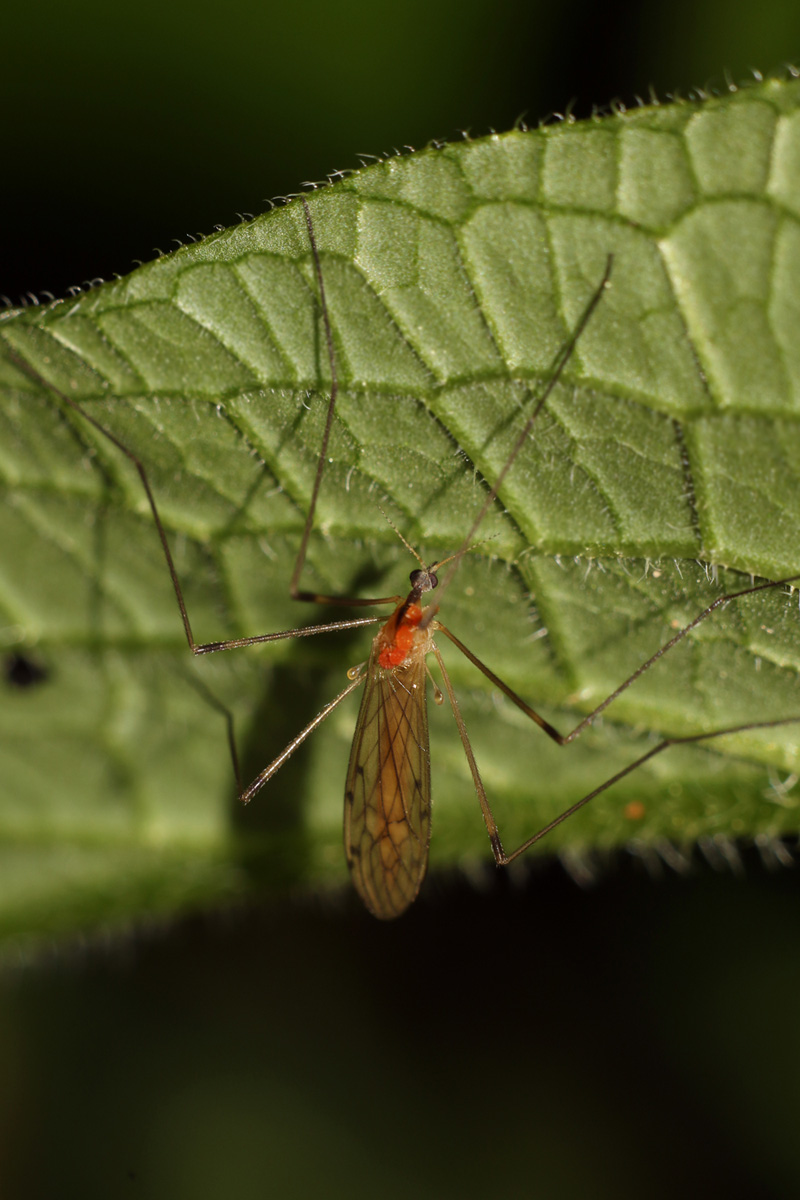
423, 581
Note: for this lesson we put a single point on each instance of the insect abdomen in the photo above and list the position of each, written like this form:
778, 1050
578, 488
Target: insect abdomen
388, 790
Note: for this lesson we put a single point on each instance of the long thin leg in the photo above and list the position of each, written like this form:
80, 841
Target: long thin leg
491, 824
501, 858
199, 648
664, 745
558, 365
195, 647
260, 779
294, 591
563, 739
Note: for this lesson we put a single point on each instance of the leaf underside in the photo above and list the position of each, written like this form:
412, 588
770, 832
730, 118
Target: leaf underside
663, 471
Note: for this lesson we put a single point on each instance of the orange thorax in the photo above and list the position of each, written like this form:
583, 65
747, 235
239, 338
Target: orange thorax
398, 635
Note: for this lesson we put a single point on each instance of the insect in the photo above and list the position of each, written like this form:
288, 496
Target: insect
387, 817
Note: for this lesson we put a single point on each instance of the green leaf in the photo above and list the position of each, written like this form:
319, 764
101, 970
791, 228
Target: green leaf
664, 470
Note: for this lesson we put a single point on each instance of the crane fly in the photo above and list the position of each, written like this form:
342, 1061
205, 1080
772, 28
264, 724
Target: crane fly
387, 811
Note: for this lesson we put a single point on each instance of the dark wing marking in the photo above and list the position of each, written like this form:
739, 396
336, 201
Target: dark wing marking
387, 800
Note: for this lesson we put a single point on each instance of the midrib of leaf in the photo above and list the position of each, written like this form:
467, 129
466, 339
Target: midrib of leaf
453, 277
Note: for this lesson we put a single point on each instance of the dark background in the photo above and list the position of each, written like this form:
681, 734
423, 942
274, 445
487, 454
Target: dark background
126, 127
509, 1036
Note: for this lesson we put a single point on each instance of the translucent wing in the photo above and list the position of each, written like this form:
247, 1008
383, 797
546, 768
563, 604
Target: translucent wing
387, 801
